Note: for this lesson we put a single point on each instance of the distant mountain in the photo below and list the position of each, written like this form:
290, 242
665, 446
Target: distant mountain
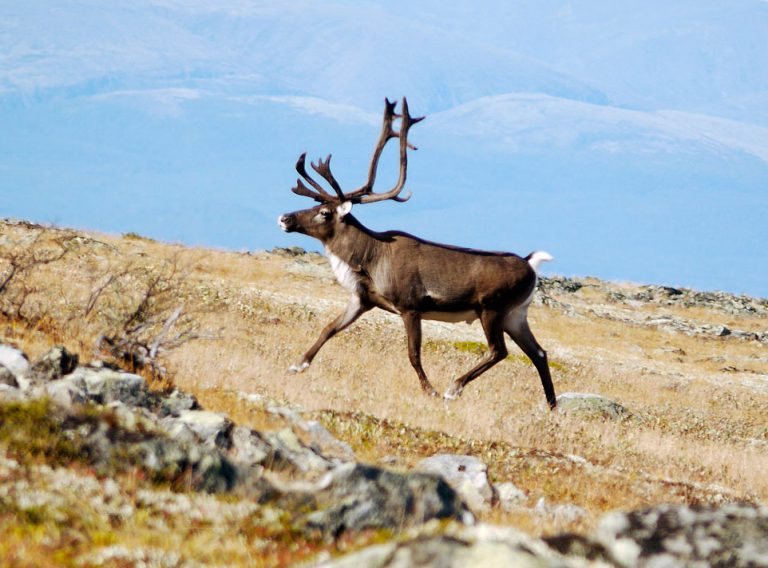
628, 139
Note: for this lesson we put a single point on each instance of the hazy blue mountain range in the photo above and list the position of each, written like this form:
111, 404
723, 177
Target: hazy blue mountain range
628, 139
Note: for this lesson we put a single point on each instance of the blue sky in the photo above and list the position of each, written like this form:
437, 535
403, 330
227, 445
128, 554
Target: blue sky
628, 139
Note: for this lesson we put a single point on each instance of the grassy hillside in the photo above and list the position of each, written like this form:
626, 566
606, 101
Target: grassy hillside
692, 369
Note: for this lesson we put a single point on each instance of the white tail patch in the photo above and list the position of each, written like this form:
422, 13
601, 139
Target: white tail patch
538, 257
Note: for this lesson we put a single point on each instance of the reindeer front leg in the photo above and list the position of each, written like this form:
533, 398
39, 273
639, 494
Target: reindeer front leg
355, 308
412, 321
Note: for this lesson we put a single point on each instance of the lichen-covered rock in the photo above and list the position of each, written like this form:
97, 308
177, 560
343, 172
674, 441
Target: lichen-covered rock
212, 428
175, 403
460, 547
677, 535
110, 448
592, 405
356, 497
104, 385
466, 474
288, 453
323, 442
248, 447
54, 364
314, 434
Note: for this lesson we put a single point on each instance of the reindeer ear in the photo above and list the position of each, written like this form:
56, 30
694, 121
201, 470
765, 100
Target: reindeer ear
344, 208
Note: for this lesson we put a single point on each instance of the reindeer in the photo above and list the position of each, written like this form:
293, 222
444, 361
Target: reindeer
414, 278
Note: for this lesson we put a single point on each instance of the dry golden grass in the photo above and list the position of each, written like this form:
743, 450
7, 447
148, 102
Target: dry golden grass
699, 432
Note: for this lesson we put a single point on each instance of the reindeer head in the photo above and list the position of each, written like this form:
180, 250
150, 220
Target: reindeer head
323, 221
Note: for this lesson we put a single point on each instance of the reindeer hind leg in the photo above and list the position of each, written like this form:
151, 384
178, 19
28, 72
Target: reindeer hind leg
494, 333
516, 326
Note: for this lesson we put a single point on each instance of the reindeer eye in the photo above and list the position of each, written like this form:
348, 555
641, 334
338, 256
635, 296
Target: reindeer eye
327, 214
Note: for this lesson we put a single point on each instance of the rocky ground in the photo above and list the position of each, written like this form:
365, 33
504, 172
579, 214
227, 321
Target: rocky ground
300, 476
206, 453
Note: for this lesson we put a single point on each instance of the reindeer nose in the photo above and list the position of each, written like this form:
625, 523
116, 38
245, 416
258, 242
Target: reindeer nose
287, 222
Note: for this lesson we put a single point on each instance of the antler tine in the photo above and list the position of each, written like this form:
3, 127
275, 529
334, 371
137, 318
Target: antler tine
406, 122
386, 133
320, 195
324, 169
303, 190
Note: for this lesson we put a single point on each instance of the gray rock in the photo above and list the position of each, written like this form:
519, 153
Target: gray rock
323, 442
13, 360
7, 377
54, 364
466, 474
67, 392
677, 535
176, 402
356, 497
178, 430
510, 496
563, 512
474, 547
212, 428
314, 434
288, 453
103, 385
248, 447
592, 405
10, 394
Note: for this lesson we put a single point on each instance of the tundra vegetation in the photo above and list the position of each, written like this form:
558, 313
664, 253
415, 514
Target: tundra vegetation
689, 369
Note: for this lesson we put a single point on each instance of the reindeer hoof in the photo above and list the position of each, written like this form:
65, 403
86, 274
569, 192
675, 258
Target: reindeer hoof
300, 368
452, 394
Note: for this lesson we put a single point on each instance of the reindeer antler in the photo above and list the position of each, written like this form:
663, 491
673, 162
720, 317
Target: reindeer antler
364, 194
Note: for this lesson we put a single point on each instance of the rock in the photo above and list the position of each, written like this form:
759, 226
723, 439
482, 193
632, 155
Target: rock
356, 497
288, 453
103, 385
315, 435
565, 513
111, 448
590, 405
13, 360
459, 547
176, 402
10, 394
466, 474
677, 535
559, 284
54, 364
509, 496
323, 442
248, 447
7, 377
212, 428
66, 392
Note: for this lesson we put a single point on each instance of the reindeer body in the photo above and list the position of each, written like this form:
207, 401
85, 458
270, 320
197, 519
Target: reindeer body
418, 279
396, 272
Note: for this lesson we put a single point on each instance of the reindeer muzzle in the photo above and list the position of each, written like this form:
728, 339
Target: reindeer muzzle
287, 222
